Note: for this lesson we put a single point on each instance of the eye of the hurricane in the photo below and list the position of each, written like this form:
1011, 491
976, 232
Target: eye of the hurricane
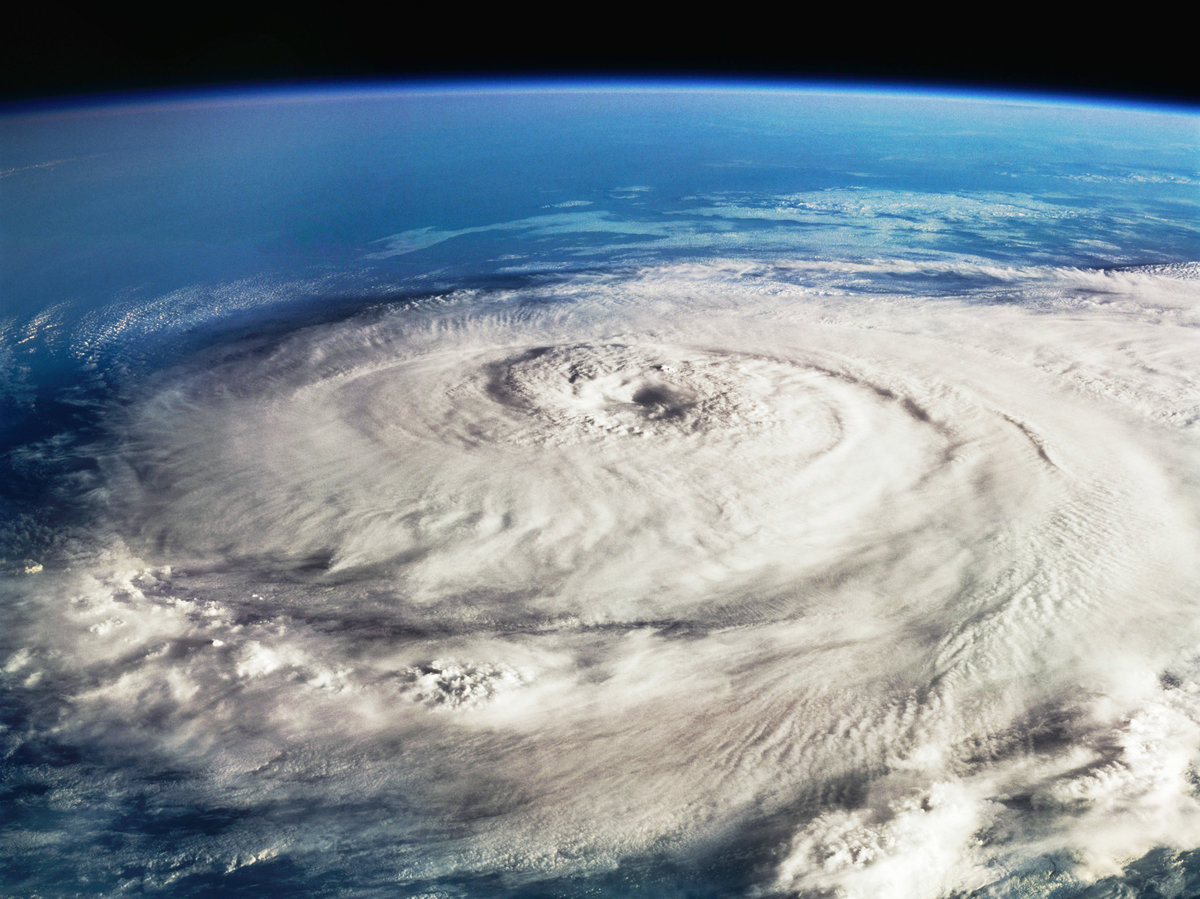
590, 391
657, 402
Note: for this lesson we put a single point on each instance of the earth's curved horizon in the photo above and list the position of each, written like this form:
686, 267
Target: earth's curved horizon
600, 489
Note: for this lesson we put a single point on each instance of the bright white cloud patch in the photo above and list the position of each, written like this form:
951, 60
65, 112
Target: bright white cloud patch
633, 564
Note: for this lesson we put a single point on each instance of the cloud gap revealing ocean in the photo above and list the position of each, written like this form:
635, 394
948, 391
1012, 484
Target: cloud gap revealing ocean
615, 492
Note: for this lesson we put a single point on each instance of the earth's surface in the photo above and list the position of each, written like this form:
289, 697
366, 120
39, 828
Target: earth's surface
606, 492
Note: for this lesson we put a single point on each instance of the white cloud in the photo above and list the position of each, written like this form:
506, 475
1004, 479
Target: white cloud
629, 563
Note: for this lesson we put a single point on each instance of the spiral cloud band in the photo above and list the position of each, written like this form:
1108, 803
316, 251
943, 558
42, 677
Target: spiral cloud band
807, 589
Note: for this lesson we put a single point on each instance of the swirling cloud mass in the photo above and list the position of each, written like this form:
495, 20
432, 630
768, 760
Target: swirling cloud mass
721, 576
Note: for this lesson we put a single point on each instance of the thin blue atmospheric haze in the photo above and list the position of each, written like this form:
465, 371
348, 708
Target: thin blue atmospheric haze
619, 489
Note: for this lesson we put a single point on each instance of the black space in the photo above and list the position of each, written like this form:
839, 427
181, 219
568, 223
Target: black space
100, 49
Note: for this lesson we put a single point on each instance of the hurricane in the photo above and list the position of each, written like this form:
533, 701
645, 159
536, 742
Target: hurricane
763, 573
